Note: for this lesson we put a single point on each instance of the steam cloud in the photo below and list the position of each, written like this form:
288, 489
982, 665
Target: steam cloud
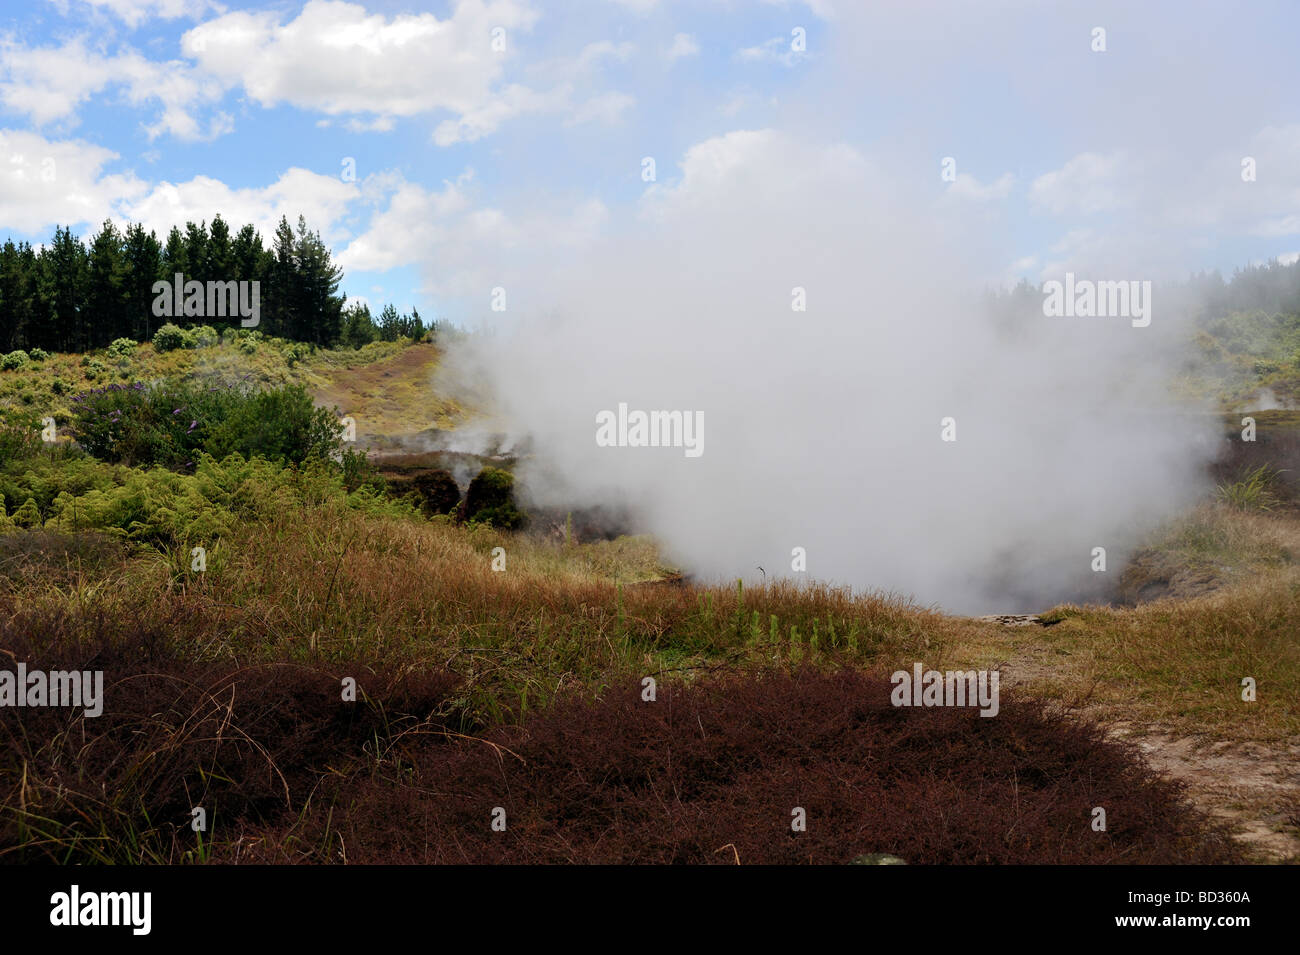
823, 426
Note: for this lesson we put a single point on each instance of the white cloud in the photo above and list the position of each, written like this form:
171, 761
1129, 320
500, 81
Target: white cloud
775, 50
44, 183
135, 12
605, 108
683, 45
483, 120
1169, 206
324, 200
594, 53
718, 170
339, 59
637, 6
968, 187
463, 249
1087, 184
1278, 226
51, 83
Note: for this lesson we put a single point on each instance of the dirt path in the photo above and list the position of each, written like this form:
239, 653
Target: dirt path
1253, 786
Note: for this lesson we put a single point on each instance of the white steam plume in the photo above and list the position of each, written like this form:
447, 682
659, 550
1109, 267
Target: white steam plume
822, 427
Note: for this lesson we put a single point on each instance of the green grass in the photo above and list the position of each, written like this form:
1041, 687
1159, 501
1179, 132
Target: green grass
1253, 491
46, 388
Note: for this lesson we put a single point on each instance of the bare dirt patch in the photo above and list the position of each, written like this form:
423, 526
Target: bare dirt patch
1253, 786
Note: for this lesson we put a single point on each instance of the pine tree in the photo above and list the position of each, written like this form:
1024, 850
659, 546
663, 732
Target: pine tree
62, 289
17, 296
320, 307
175, 258
221, 256
106, 314
358, 327
196, 251
144, 266
282, 311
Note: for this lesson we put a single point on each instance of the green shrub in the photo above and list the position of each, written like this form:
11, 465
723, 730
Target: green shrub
204, 336
19, 438
490, 500
15, 359
358, 472
436, 492
166, 509
169, 338
29, 515
38, 354
170, 424
281, 425
121, 348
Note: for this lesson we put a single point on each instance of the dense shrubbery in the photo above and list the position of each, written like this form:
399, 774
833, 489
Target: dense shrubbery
162, 507
293, 773
169, 338
172, 423
436, 492
124, 347
19, 436
282, 424
490, 499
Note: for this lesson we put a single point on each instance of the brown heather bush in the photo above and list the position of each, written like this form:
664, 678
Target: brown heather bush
708, 773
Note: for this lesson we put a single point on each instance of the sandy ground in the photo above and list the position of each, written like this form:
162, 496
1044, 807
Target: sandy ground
1253, 786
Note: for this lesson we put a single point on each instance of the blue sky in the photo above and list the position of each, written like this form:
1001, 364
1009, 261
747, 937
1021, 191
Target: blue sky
477, 167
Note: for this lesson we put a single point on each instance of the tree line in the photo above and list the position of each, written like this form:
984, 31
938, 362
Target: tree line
72, 296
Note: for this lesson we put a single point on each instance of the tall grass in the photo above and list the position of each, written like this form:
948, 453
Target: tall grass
1253, 491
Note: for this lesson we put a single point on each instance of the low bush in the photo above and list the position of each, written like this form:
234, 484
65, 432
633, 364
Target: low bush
121, 348
282, 424
169, 338
710, 773
490, 500
436, 492
172, 423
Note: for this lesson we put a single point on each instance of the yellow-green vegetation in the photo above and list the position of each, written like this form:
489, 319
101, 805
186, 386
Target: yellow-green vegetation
1236, 356
392, 394
384, 385
310, 570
